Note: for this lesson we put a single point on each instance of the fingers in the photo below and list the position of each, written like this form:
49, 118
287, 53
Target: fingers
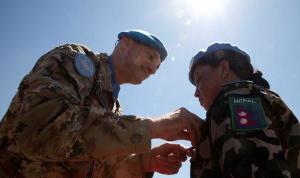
168, 148
178, 125
194, 133
190, 151
184, 135
176, 153
193, 126
196, 123
166, 166
177, 157
167, 158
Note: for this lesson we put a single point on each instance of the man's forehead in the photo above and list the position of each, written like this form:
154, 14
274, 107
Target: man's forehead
198, 72
195, 75
153, 51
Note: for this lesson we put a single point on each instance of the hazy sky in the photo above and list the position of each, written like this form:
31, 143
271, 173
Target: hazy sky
268, 30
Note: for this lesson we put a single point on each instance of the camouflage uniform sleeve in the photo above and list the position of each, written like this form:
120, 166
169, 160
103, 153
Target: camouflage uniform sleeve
289, 132
56, 123
130, 167
293, 152
248, 151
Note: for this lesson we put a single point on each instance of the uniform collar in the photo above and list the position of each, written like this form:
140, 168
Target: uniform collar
103, 75
236, 82
230, 88
115, 86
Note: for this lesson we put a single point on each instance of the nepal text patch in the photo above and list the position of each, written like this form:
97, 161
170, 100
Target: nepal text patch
247, 114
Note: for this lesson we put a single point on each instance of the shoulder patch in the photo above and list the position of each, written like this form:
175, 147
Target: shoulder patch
247, 114
84, 65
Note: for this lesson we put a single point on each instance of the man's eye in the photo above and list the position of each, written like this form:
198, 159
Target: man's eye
151, 57
197, 81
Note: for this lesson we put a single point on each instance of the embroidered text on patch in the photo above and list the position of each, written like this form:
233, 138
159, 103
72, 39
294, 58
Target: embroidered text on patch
247, 114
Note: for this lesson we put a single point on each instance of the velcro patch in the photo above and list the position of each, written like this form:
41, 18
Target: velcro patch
84, 65
247, 114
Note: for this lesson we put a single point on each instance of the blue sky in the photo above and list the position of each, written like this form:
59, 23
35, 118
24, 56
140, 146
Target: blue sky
267, 30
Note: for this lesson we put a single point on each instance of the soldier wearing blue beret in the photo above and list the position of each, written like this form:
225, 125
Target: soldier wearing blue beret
249, 131
147, 39
65, 120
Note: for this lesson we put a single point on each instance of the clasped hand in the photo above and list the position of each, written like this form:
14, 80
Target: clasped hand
165, 159
178, 125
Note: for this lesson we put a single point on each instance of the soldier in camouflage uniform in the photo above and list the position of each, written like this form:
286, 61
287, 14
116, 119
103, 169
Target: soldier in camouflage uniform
249, 132
64, 121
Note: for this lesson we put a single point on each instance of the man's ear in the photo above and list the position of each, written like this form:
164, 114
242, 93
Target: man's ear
224, 69
124, 44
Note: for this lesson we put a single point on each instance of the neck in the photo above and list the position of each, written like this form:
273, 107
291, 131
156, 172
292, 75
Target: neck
231, 78
119, 69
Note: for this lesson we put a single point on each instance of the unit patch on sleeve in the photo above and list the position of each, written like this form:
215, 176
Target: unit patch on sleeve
247, 114
84, 65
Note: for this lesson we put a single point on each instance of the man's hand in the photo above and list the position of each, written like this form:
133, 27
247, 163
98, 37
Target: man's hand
178, 125
165, 159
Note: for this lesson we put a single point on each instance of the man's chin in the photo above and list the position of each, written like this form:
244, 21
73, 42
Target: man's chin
203, 105
136, 82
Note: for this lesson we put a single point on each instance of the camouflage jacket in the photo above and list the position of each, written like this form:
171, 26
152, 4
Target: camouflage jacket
62, 124
248, 133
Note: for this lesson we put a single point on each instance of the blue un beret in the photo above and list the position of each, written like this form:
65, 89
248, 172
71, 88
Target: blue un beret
210, 50
147, 39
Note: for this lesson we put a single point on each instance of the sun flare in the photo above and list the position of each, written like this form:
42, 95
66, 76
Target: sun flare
205, 7
197, 8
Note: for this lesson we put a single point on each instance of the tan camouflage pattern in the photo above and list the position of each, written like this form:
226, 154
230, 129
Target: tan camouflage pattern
61, 124
266, 153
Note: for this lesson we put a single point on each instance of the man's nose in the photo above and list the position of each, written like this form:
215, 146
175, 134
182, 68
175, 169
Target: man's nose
151, 68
